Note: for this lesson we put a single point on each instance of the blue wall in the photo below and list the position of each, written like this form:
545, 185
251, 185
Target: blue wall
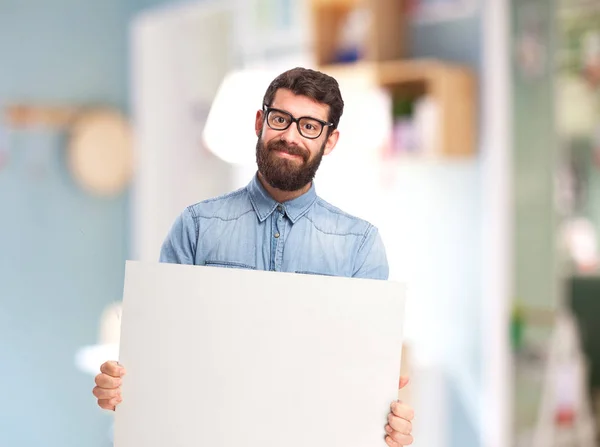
62, 261
62, 251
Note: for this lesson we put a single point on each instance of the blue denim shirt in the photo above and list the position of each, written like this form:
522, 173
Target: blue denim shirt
248, 229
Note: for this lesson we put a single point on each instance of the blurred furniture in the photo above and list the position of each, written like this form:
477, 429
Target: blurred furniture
553, 405
386, 37
173, 88
28, 115
565, 416
584, 294
381, 58
99, 151
452, 88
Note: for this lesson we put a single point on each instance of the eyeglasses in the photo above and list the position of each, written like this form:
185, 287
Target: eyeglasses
308, 127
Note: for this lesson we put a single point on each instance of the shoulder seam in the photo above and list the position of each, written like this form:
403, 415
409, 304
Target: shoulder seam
196, 215
195, 219
333, 209
365, 236
330, 233
224, 196
215, 199
222, 218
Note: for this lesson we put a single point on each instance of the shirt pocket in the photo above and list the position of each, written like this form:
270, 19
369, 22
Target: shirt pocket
229, 265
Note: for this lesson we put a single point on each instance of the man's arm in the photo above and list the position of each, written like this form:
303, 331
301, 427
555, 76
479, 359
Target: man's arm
371, 260
180, 244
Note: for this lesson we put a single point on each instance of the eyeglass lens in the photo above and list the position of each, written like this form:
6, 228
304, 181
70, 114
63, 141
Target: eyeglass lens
308, 127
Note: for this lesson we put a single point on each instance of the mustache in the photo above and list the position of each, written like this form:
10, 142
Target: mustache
284, 147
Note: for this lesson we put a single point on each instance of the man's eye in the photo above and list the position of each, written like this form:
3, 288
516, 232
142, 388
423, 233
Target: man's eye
278, 120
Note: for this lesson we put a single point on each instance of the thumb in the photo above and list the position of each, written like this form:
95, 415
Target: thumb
403, 381
113, 369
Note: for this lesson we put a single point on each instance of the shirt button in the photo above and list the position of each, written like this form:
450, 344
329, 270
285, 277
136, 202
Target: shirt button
276, 235
279, 208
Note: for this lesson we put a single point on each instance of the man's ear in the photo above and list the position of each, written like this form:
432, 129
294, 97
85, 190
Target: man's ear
258, 124
331, 141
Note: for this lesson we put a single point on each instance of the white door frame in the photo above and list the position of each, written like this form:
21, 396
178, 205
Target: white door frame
497, 234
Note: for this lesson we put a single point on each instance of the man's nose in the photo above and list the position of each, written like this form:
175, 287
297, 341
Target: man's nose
291, 135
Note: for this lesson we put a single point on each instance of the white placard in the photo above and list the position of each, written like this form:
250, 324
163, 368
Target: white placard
220, 357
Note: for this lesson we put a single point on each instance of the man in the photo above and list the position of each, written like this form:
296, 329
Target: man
278, 222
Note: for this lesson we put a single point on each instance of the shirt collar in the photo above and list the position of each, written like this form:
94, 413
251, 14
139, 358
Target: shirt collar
264, 204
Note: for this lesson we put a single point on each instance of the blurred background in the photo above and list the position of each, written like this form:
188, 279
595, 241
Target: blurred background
471, 138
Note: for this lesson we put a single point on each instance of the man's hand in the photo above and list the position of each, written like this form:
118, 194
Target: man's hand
108, 385
399, 426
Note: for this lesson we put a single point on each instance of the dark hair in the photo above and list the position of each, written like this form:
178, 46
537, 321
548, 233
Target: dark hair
313, 84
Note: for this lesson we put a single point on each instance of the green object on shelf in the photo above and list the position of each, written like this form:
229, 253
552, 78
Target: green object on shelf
402, 107
517, 327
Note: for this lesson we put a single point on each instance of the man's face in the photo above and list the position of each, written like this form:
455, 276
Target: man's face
287, 160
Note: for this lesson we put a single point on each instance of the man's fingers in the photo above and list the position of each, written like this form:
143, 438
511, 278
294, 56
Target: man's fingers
103, 393
112, 369
389, 441
402, 410
403, 382
400, 425
106, 404
108, 382
401, 439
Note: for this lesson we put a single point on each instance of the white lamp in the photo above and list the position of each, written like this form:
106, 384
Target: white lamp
89, 358
229, 131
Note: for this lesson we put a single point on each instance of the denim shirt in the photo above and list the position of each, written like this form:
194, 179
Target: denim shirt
247, 229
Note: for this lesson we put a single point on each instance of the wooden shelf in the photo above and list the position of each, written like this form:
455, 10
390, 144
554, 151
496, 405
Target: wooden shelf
385, 64
336, 3
30, 115
386, 38
452, 87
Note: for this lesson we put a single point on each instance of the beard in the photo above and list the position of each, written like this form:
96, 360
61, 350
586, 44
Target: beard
285, 174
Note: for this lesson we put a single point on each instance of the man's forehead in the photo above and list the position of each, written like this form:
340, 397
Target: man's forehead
299, 105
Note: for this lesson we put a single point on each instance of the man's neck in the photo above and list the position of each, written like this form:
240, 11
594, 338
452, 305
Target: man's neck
282, 196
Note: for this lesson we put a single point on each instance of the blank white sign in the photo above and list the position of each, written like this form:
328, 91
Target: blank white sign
220, 357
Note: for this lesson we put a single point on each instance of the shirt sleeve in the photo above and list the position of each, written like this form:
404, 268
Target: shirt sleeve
180, 245
371, 261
